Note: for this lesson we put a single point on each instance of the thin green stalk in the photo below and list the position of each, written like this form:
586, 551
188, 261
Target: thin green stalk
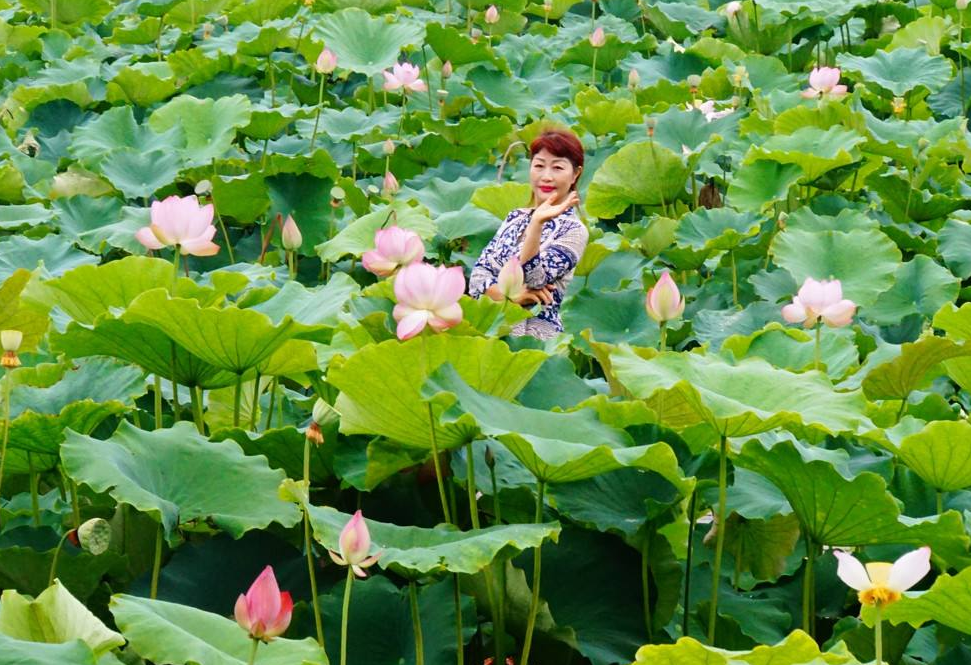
537, 569
195, 398
157, 564
755, 7
252, 653
269, 67
158, 402
7, 393
662, 344
720, 539
808, 588
219, 218
269, 411
308, 545
34, 498
255, 405
53, 14
646, 585
438, 466
593, 73
940, 502
320, 106
878, 634
344, 614
292, 264
961, 57
416, 623
816, 356
57, 553
687, 563
176, 407
238, 399
474, 513
734, 279
75, 505
459, 640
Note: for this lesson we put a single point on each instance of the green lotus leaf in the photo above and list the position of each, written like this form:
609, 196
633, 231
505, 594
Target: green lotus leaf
805, 219
741, 399
925, 33
797, 648
642, 173
17, 217
231, 339
171, 633
26, 652
11, 184
139, 174
762, 546
179, 476
793, 349
948, 602
954, 246
142, 83
54, 617
812, 149
358, 236
682, 21
906, 372
318, 306
555, 447
283, 449
902, 139
414, 552
367, 44
209, 126
266, 122
760, 183
502, 199
836, 255
613, 51
898, 71
352, 123
487, 317
922, 287
940, 454
55, 253
603, 115
717, 229
15, 316
519, 97
71, 13
381, 384
260, 11
612, 317
835, 510
453, 45
905, 203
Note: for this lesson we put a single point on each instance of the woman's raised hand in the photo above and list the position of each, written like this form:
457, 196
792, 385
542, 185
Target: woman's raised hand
548, 209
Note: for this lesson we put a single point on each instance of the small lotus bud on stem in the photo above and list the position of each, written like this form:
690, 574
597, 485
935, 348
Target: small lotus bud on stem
651, 124
447, 69
490, 458
633, 79
10, 340
694, 82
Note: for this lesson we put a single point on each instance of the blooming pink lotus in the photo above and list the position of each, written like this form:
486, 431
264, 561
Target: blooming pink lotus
664, 301
597, 38
354, 544
880, 583
326, 62
427, 296
182, 223
512, 281
394, 247
820, 300
264, 611
824, 81
404, 75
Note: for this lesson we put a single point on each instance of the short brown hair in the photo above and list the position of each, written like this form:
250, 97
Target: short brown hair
560, 143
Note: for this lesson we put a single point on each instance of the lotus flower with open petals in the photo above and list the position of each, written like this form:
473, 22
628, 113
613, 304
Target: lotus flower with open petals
355, 544
824, 81
820, 300
179, 221
393, 247
427, 296
404, 75
264, 611
880, 583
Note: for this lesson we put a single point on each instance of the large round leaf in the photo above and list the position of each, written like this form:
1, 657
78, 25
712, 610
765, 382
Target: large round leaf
716, 229
171, 633
903, 374
836, 255
940, 454
798, 647
31, 322
381, 384
642, 173
367, 44
180, 476
922, 287
26, 652
209, 126
812, 149
898, 71
415, 552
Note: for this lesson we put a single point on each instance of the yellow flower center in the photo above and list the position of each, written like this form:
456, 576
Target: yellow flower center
879, 593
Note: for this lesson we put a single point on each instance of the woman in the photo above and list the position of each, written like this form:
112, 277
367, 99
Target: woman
548, 238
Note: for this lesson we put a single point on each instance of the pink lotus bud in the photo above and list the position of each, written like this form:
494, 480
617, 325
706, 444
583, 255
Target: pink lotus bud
820, 301
393, 247
326, 62
388, 147
633, 79
447, 69
597, 38
355, 544
960, 5
664, 301
427, 296
390, 185
180, 222
733, 8
492, 15
511, 281
291, 237
264, 611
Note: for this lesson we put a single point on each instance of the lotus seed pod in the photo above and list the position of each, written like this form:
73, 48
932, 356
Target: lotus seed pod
94, 536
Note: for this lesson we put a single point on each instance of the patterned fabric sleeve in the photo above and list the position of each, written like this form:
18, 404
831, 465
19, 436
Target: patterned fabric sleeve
483, 275
558, 258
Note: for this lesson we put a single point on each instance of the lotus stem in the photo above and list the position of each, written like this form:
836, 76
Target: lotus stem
438, 466
158, 401
292, 264
195, 398
662, 343
816, 357
720, 536
269, 67
416, 623
537, 569
53, 14
269, 411
73, 490
646, 584
308, 545
460, 642
157, 563
320, 106
731, 255
176, 407
7, 394
428, 77
593, 73
344, 614
252, 652
878, 634
808, 589
34, 481
961, 58
238, 399
255, 405
57, 553
219, 218
687, 565
940, 502
755, 11
474, 513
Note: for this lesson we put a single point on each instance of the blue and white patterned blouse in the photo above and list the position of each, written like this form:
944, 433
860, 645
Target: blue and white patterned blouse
561, 246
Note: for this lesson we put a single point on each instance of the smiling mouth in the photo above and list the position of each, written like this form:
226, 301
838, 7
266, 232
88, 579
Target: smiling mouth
544, 188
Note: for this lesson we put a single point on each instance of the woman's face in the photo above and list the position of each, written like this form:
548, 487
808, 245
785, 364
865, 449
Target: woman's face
549, 174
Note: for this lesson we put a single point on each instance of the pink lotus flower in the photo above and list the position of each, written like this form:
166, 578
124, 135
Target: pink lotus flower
880, 583
326, 62
390, 186
355, 543
492, 14
290, 235
404, 75
180, 222
820, 300
427, 296
447, 69
512, 281
264, 611
733, 8
824, 81
394, 247
707, 109
597, 38
664, 301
